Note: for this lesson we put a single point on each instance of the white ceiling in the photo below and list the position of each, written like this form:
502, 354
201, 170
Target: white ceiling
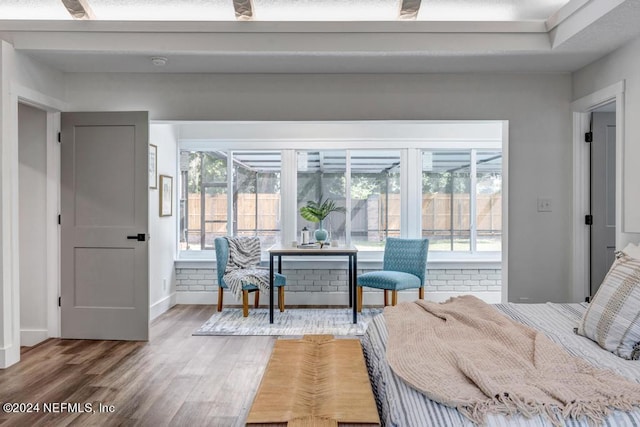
289, 10
535, 36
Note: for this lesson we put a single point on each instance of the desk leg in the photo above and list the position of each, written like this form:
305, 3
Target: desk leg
271, 288
354, 280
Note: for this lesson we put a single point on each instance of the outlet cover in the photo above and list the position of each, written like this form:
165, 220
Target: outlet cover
544, 204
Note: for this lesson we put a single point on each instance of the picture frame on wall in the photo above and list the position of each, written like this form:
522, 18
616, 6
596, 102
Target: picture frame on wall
153, 166
166, 195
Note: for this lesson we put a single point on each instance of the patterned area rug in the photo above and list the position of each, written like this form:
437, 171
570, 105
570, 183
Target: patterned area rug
294, 321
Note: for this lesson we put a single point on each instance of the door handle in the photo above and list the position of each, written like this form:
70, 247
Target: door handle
140, 237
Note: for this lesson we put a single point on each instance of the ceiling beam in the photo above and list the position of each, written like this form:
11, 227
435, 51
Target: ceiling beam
79, 9
243, 9
409, 10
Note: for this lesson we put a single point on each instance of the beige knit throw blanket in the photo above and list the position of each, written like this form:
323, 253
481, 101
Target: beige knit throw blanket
465, 354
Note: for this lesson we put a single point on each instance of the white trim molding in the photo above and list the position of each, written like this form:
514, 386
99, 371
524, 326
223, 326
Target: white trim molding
162, 306
12, 93
581, 109
52, 229
505, 211
9, 193
598, 98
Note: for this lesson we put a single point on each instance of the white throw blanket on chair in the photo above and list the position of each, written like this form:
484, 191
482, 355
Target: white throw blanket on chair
242, 265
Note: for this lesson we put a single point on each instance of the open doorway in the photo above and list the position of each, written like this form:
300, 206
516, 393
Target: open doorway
603, 207
32, 194
602, 242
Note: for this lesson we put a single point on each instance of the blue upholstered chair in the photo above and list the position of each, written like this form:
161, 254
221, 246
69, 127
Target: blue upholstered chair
404, 267
222, 256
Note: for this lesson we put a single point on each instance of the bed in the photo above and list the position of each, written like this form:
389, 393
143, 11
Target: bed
401, 405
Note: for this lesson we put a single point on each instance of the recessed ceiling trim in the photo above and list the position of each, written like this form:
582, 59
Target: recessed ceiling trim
79, 9
564, 12
274, 27
409, 10
243, 9
291, 45
584, 17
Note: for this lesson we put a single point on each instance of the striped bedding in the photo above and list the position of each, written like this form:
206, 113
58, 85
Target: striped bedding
399, 405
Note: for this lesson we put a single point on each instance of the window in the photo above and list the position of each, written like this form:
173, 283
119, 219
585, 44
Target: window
439, 180
458, 186
256, 195
489, 200
373, 180
375, 198
216, 201
203, 200
323, 174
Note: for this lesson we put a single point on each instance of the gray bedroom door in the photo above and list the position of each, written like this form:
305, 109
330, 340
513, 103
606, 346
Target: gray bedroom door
104, 225
603, 196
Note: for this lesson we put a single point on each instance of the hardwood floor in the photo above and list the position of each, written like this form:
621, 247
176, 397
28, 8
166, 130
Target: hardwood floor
174, 379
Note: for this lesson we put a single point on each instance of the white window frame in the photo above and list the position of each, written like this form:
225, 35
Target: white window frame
415, 136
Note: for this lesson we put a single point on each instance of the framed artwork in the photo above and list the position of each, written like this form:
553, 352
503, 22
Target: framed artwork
153, 166
166, 195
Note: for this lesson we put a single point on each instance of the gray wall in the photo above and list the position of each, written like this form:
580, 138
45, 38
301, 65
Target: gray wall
162, 244
623, 64
536, 105
36, 76
32, 157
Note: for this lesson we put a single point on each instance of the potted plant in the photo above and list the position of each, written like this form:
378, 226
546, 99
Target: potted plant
317, 212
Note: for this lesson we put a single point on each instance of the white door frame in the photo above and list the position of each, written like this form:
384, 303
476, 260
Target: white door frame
52, 107
581, 109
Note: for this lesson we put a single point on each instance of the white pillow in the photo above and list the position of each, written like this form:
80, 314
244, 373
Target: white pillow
612, 319
632, 250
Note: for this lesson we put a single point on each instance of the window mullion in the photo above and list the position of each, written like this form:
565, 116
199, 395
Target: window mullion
230, 193
411, 192
347, 195
203, 232
288, 194
472, 201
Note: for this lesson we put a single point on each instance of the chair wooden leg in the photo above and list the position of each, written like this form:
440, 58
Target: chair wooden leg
281, 298
360, 293
257, 303
220, 296
245, 303
421, 292
394, 297
386, 297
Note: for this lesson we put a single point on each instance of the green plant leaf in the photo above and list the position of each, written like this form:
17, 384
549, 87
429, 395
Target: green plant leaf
318, 211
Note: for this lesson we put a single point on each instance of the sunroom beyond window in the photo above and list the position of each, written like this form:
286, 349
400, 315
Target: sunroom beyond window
373, 180
437, 180
208, 198
462, 200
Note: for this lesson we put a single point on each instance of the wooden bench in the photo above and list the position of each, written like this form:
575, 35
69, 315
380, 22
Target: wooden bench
315, 381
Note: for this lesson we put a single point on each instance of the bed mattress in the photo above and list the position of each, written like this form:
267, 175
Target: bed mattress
402, 406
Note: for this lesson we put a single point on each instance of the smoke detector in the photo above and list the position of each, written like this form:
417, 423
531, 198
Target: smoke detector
158, 61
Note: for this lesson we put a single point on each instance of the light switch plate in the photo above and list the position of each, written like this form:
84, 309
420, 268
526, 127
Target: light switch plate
544, 204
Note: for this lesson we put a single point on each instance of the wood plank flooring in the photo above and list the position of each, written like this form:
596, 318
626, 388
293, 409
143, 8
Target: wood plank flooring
174, 379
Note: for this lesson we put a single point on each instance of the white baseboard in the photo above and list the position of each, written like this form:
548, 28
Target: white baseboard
162, 306
371, 297
9, 356
31, 337
197, 297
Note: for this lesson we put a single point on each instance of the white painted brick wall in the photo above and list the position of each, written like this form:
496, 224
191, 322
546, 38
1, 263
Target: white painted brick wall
438, 280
